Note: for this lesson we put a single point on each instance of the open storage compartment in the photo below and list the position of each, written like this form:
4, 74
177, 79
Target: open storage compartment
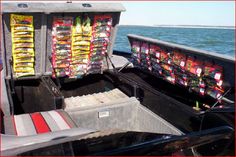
109, 101
34, 95
38, 92
90, 84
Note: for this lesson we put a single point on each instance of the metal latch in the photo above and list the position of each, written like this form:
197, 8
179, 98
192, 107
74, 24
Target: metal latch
22, 5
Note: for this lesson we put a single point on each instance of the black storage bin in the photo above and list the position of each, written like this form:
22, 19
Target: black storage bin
34, 95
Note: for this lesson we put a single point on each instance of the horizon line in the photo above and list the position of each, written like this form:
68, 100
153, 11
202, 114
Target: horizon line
182, 26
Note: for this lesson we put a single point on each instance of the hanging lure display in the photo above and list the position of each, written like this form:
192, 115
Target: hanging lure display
61, 45
79, 49
176, 67
101, 31
81, 37
22, 32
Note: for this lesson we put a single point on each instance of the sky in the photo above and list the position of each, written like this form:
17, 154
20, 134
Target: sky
211, 13
179, 13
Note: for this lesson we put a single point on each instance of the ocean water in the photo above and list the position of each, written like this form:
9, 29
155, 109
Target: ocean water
211, 39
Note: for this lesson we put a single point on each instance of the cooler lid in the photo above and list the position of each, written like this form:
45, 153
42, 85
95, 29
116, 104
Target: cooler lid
43, 15
60, 7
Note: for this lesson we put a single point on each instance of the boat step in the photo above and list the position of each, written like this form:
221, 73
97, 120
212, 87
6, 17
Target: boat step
108, 97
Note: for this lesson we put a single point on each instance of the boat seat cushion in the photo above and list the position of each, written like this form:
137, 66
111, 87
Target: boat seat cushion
37, 123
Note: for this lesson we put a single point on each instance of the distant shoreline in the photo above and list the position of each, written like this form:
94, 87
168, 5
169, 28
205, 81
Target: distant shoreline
184, 26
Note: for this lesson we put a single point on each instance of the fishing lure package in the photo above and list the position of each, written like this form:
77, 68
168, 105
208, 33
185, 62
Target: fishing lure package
213, 71
197, 84
101, 31
81, 40
61, 45
179, 62
168, 75
155, 54
179, 59
145, 57
135, 48
194, 66
195, 70
213, 79
167, 66
22, 33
